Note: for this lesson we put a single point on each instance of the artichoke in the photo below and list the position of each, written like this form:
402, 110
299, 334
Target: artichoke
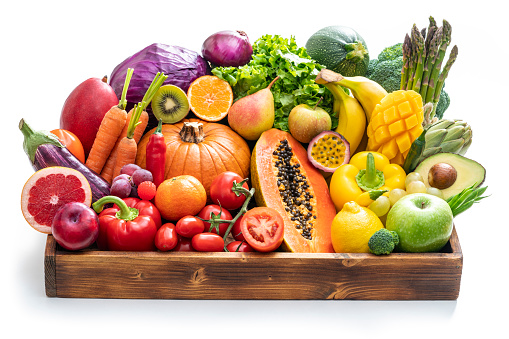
442, 136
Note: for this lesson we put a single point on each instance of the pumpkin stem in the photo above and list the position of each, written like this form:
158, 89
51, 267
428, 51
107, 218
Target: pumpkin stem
192, 132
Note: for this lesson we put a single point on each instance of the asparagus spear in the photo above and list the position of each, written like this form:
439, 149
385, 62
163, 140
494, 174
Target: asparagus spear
405, 70
446, 40
421, 53
443, 75
431, 32
430, 61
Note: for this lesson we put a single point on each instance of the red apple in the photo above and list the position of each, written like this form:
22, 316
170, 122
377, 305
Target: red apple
85, 108
75, 226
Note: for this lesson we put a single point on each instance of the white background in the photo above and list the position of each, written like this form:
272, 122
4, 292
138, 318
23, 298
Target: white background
49, 47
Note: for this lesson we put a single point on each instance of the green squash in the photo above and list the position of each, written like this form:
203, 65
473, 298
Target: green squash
340, 49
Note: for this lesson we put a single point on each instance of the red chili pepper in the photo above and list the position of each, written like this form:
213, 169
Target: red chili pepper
156, 155
130, 225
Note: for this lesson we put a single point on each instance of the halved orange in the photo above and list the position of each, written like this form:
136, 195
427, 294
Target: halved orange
47, 190
210, 98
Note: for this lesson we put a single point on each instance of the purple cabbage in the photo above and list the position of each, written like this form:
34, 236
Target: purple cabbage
181, 65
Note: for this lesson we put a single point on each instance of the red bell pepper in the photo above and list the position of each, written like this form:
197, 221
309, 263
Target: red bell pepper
156, 155
130, 225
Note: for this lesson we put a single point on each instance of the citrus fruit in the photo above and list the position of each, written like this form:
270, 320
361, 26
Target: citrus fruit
180, 196
47, 190
210, 98
352, 227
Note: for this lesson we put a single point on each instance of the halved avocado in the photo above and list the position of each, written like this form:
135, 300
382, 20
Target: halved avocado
451, 173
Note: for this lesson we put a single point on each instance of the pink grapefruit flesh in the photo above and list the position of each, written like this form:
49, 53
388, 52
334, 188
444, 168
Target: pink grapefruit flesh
47, 190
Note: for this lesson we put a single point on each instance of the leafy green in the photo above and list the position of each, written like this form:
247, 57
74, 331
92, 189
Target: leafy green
274, 56
462, 201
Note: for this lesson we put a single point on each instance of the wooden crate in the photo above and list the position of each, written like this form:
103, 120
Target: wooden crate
182, 275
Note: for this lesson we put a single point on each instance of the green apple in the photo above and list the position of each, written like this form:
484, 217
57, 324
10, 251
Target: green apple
423, 222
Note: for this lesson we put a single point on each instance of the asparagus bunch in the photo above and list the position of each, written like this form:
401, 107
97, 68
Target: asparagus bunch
423, 55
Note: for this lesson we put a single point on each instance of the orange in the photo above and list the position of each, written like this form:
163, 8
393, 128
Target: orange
210, 98
47, 190
352, 227
180, 196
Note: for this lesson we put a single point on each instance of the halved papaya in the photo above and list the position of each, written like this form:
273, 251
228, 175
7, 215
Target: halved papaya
285, 180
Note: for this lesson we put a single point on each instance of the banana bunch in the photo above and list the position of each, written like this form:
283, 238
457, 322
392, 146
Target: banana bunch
442, 136
354, 112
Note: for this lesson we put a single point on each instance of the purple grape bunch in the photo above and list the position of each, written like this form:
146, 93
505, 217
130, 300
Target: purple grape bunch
126, 183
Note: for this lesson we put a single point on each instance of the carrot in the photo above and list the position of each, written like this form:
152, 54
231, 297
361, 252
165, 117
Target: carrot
127, 147
111, 126
108, 172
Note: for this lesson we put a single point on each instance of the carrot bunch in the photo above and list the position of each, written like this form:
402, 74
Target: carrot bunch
110, 129
126, 146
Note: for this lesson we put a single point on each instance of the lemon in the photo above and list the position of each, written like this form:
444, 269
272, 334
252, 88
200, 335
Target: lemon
352, 227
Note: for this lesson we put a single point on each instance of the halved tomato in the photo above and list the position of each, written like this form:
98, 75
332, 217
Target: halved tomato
263, 228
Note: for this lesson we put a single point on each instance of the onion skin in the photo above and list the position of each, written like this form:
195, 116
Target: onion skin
227, 48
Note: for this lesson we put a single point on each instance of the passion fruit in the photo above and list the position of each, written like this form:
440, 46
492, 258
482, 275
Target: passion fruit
328, 150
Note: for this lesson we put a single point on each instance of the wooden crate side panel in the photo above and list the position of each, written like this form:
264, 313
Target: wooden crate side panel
240, 277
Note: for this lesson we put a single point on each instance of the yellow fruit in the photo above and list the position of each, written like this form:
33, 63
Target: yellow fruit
395, 124
352, 227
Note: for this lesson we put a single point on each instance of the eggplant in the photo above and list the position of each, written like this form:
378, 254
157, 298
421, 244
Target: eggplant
45, 150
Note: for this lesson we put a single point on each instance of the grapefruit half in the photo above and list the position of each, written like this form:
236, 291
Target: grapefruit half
47, 190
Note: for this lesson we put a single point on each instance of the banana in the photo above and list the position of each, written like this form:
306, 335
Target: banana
352, 118
368, 92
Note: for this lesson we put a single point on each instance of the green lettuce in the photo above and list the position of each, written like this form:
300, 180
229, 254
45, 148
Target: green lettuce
276, 56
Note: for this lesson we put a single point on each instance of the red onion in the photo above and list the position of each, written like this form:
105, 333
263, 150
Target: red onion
227, 48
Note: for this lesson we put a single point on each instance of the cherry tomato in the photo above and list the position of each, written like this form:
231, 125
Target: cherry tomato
206, 213
190, 225
236, 231
221, 190
166, 237
263, 228
208, 242
239, 246
71, 141
184, 245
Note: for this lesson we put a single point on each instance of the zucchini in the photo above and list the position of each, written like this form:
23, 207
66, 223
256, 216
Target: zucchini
340, 49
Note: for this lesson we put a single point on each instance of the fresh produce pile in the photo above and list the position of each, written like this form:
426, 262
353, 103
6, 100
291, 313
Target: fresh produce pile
259, 147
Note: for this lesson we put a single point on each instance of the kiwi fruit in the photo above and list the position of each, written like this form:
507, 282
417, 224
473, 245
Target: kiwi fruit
170, 104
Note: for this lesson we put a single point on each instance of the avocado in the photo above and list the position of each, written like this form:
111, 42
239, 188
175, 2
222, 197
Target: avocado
451, 173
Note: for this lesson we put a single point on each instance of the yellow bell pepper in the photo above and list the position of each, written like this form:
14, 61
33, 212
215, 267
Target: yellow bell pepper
364, 178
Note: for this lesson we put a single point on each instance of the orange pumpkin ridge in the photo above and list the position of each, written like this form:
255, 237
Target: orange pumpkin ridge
221, 149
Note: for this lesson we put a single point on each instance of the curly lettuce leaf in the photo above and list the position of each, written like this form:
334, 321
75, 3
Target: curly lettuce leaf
274, 56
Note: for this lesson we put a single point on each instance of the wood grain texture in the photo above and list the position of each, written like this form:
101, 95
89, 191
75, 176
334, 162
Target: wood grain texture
278, 275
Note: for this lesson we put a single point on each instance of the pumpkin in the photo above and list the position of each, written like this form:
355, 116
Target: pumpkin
340, 49
201, 149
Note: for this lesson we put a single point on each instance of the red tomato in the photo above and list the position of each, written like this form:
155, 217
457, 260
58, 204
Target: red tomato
206, 213
239, 246
184, 245
236, 231
71, 141
208, 242
189, 225
166, 237
263, 228
221, 190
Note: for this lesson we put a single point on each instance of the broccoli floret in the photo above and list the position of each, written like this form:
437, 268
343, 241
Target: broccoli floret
391, 53
383, 241
443, 104
388, 74
371, 67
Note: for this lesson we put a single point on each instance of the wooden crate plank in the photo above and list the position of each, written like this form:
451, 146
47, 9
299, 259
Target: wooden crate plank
184, 275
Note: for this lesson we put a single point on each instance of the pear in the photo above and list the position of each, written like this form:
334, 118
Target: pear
305, 122
254, 114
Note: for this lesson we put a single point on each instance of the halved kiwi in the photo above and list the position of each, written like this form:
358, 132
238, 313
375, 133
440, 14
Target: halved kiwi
170, 104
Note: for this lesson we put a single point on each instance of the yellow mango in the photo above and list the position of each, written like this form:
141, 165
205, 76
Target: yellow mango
395, 124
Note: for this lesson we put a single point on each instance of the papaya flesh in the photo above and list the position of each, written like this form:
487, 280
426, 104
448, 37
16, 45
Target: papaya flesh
285, 180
